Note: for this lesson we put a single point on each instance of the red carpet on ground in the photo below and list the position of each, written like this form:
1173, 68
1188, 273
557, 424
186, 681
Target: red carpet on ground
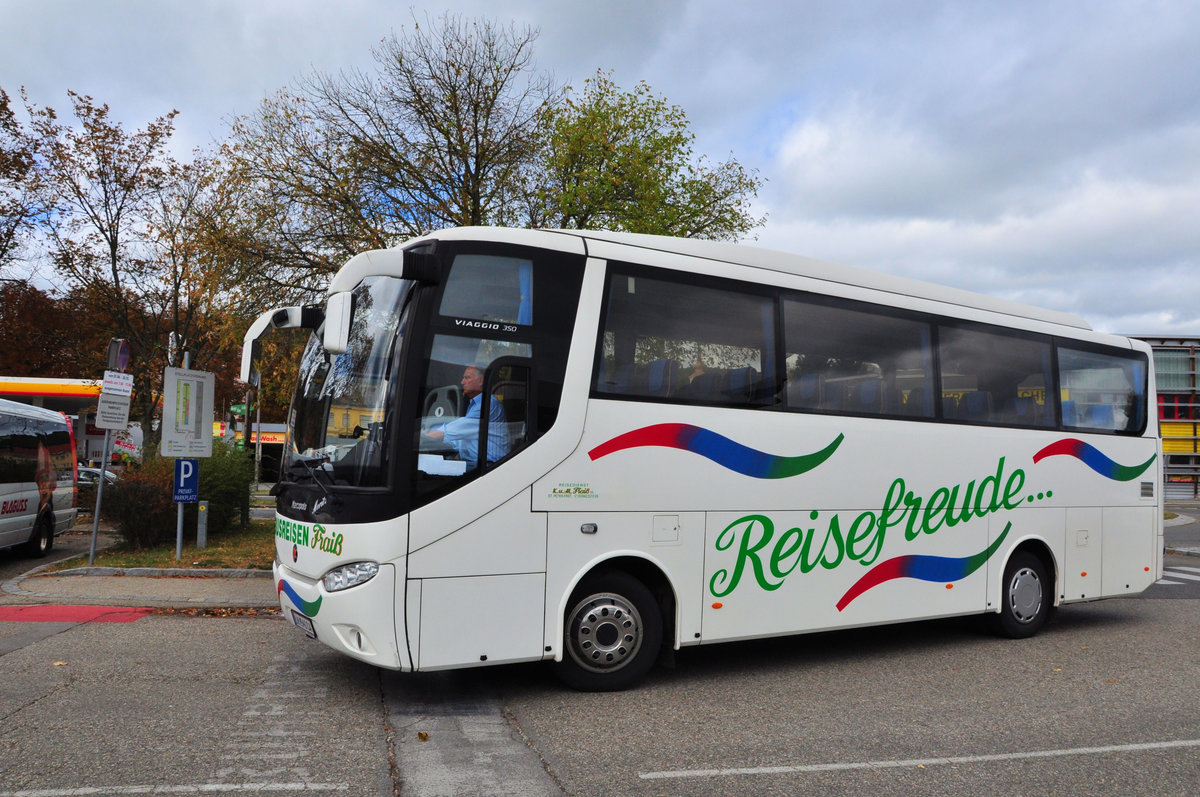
71, 614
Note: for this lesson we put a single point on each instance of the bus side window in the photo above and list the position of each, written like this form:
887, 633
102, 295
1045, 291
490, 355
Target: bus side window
477, 401
850, 357
686, 339
992, 376
1101, 391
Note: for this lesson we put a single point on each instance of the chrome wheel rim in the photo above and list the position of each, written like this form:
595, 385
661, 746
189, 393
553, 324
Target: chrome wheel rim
605, 632
1025, 595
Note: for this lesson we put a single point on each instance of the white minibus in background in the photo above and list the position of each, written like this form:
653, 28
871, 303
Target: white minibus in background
586, 447
37, 476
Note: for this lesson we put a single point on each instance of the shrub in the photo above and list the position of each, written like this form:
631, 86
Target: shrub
141, 505
85, 499
225, 482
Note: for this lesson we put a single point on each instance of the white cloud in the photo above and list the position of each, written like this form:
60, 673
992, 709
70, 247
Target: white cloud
1044, 152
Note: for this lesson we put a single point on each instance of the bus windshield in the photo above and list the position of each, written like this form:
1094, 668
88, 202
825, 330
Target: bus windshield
336, 429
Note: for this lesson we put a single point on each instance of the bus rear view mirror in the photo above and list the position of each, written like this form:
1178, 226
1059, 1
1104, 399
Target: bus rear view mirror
337, 322
305, 317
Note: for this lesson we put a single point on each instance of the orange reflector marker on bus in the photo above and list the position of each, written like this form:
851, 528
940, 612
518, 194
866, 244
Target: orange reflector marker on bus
1147, 569
718, 605
1084, 573
949, 586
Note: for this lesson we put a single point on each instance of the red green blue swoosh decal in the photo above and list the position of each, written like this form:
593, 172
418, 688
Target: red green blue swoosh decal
941, 569
1092, 457
718, 448
310, 608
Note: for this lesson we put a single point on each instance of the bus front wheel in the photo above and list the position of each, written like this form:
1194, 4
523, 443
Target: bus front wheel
1025, 597
612, 633
43, 538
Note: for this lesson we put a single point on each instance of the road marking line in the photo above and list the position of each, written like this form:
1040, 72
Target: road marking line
1184, 567
917, 762
1167, 583
1177, 574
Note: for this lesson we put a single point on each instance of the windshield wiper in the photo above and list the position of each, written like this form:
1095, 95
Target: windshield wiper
308, 463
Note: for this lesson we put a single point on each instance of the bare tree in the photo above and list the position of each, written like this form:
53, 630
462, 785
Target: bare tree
443, 134
120, 224
17, 204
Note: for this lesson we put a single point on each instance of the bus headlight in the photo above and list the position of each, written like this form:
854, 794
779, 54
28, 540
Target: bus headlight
350, 575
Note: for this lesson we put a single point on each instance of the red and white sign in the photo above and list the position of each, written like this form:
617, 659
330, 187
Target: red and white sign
117, 383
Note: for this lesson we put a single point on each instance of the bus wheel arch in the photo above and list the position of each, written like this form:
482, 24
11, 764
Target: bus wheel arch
614, 625
1027, 591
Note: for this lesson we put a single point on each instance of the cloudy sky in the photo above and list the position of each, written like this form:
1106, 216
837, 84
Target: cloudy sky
1042, 151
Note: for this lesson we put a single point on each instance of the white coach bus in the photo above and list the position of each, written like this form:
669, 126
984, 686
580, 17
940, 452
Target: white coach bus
516, 445
38, 472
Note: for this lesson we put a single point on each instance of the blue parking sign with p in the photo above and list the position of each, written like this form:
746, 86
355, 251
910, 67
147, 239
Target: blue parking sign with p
187, 481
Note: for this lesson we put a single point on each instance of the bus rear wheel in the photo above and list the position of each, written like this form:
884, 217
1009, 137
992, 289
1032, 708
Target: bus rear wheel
1025, 597
612, 633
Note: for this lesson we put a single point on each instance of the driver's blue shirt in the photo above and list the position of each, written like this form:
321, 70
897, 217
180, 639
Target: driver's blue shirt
463, 433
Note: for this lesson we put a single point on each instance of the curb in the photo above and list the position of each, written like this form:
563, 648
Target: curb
1180, 520
159, 572
14, 585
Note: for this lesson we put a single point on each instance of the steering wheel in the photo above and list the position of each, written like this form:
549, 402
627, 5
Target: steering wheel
443, 403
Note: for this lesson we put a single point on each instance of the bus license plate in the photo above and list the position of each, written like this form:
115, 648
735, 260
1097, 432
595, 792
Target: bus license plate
305, 624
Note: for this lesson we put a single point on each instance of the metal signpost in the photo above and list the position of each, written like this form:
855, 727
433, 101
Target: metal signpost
112, 414
187, 422
187, 491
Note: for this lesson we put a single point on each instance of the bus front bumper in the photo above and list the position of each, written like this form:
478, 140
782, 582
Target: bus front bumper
359, 621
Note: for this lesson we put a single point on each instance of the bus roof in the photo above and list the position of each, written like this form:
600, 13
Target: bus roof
22, 410
769, 260
757, 257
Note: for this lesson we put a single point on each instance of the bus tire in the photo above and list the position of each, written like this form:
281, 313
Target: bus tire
43, 538
612, 633
1025, 597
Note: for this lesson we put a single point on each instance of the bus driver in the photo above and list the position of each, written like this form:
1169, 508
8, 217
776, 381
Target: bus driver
463, 433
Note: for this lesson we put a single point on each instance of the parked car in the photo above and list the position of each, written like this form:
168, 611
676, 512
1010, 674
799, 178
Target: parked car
91, 476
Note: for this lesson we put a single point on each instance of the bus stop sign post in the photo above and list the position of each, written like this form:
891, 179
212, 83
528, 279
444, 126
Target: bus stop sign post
112, 414
99, 494
187, 491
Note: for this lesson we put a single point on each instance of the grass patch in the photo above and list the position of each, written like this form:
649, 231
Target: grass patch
251, 548
1169, 515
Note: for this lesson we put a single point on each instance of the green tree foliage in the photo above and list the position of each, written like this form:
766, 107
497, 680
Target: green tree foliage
455, 127
624, 161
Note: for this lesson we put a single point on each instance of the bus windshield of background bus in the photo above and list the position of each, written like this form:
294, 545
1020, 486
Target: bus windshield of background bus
340, 410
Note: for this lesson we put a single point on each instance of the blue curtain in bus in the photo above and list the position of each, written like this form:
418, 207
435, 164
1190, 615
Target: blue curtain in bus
768, 365
1138, 399
525, 312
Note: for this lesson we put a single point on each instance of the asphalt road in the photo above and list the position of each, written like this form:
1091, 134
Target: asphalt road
15, 562
181, 704
1105, 701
